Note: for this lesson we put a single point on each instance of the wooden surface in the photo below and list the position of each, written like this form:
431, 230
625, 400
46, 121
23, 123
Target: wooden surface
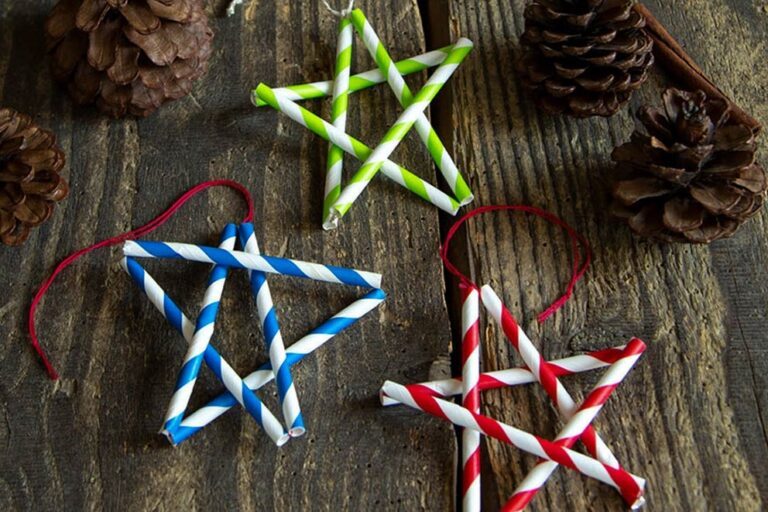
691, 417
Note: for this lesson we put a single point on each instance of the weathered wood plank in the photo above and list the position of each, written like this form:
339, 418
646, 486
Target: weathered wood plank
691, 417
89, 442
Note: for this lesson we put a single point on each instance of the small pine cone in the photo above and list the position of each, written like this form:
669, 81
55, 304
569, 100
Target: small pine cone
30, 183
584, 57
691, 174
128, 56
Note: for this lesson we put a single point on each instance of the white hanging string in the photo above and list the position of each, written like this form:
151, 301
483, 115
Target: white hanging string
343, 13
232, 5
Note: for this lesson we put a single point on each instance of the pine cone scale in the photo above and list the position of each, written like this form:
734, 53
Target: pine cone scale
102, 48
125, 69
90, 14
689, 173
584, 57
140, 18
30, 183
682, 214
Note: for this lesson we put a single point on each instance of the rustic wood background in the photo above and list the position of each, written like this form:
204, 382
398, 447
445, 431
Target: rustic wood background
691, 418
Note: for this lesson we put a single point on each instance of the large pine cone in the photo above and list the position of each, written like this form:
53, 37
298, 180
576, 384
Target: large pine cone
128, 56
584, 57
692, 175
30, 183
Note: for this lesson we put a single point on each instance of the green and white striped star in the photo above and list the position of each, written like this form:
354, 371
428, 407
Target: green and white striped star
338, 199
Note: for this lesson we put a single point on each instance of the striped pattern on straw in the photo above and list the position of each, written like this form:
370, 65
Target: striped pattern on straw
338, 113
237, 389
238, 259
576, 426
499, 379
543, 374
630, 486
358, 82
404, 95
193, 359
195, 421
354, 147
470, 374
286, 390
376, 160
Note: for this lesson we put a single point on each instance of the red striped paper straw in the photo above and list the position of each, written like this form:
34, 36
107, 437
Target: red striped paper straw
630, 486
541, 370
498, 379
576, 426
470, 373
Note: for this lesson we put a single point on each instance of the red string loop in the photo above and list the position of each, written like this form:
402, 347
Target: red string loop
130, 235
582, 254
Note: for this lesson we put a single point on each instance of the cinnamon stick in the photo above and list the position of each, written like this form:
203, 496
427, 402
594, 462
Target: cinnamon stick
672, 56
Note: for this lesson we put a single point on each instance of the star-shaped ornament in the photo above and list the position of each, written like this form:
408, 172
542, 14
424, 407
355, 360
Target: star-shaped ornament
178, 426
430, 397
338, 199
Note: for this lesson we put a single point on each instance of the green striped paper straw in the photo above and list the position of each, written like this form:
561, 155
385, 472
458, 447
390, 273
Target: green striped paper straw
338, 113
358, 82
400, 129
354, 147
404, 95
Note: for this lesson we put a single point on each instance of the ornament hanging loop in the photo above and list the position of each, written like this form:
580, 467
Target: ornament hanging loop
342, 13
582, 254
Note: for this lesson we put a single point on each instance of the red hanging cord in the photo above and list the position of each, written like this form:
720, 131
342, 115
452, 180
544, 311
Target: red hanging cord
131, 235
582, 255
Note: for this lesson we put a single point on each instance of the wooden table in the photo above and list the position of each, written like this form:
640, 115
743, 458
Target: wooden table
691, 418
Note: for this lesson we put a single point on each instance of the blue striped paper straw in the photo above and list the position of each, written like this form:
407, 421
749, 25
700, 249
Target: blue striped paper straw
238, 259
295, 353
193, 359
179, 321
286, 390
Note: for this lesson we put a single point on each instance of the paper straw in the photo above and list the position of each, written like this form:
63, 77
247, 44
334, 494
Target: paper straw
286, 390
446, 388
195, 421
470, 373
424, 128
630, 486
237, 388
576, 426
375, 161
193, 359
354, 147
338, 112
358, 82
551, 384
238, 259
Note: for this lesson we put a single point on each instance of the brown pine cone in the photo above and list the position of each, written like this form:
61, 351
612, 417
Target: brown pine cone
30, 183
128, 56
692, 175
584, 57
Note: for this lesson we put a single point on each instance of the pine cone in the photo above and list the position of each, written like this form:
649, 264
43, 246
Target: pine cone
30, 183
584, 57
128, 56
692, 175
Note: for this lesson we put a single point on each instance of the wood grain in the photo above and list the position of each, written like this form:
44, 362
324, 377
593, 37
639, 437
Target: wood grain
691, 417
89, 441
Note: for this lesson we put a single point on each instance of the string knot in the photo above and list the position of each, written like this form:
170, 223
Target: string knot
342, 13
